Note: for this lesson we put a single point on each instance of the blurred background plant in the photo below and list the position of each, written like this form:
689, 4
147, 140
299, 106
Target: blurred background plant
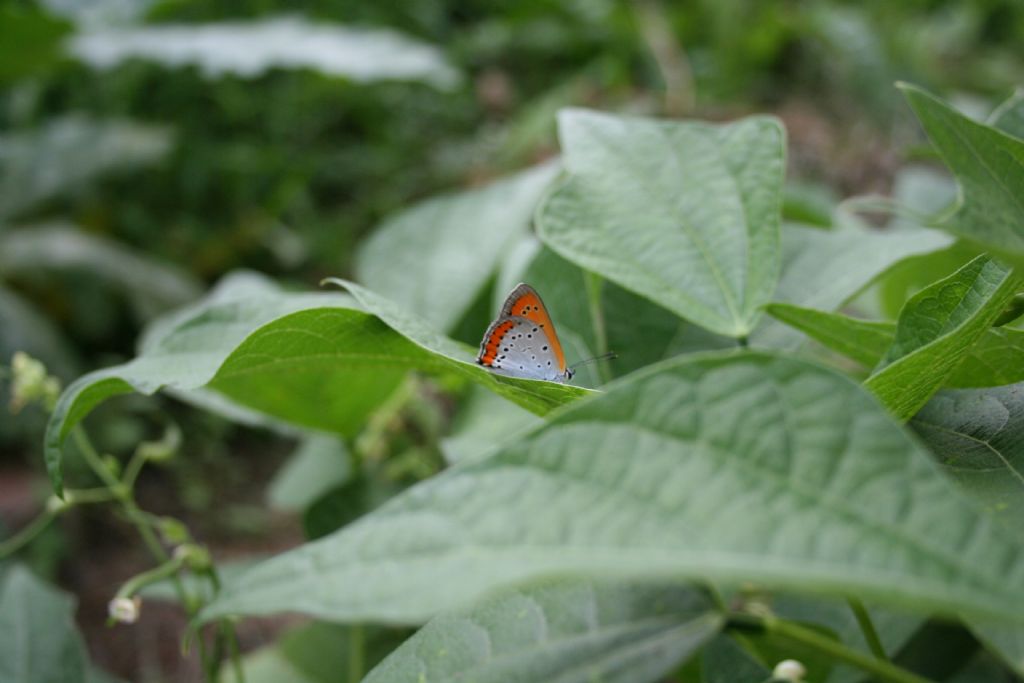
149, 147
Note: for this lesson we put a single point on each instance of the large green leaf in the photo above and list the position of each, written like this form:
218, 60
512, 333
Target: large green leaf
312, 359
571, 632
988, 164
997, 358
685, 214
742, 467
936, 331
824, 269
436, 257
39, 643
249, 49
978, 437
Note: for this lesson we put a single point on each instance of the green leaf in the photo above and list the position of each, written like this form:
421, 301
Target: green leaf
40, 643
437, 257
685, 214
67, 152
1009, 116
894, 630
741, 466
312, 359
977, 435
320, 463
249, 49
936, 331
316, 653
824, 269
30, 41
483, 422
724, 661
988, 164
996, 359
151, 287
572, 632
536, 396
864, 341
637, 330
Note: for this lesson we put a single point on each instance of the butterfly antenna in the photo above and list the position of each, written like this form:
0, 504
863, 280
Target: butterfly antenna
611, 355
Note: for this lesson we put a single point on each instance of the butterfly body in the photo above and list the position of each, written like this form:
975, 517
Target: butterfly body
522, 341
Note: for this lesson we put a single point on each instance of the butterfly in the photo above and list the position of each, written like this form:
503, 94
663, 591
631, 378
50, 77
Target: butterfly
522, 341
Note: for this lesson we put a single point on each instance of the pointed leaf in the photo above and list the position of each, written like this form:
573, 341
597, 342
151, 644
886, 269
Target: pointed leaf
312, 359
997, 358
865, 341
740, 466
572, 632
988, 164
436, 257
685, 214
936, 330
823, 269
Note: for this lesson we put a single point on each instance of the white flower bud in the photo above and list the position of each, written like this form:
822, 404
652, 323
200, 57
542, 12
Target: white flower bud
789, 670
125, 610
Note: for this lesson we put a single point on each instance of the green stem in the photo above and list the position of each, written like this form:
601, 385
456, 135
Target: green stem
140, 521
868, 628
131, 471
13, 544
233, 650
882, 670
356, 652
593, 284
95, 495
139, 581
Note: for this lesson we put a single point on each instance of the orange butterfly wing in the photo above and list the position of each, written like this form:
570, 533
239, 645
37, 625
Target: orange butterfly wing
524, 302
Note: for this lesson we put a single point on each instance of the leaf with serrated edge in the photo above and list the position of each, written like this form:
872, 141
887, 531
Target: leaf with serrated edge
741, 467
988, 165
685, 214
572, 632
936, 330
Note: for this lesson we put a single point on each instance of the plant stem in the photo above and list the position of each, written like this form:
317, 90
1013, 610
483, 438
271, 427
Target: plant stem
356, 652
868, 628
236, 659
593, 284
140, 521
158, 573
25, 535
882, 670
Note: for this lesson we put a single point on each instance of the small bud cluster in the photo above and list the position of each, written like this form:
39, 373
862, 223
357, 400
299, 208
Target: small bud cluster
31, 384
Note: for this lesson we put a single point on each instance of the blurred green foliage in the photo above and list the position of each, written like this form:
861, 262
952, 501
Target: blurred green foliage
126, 191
